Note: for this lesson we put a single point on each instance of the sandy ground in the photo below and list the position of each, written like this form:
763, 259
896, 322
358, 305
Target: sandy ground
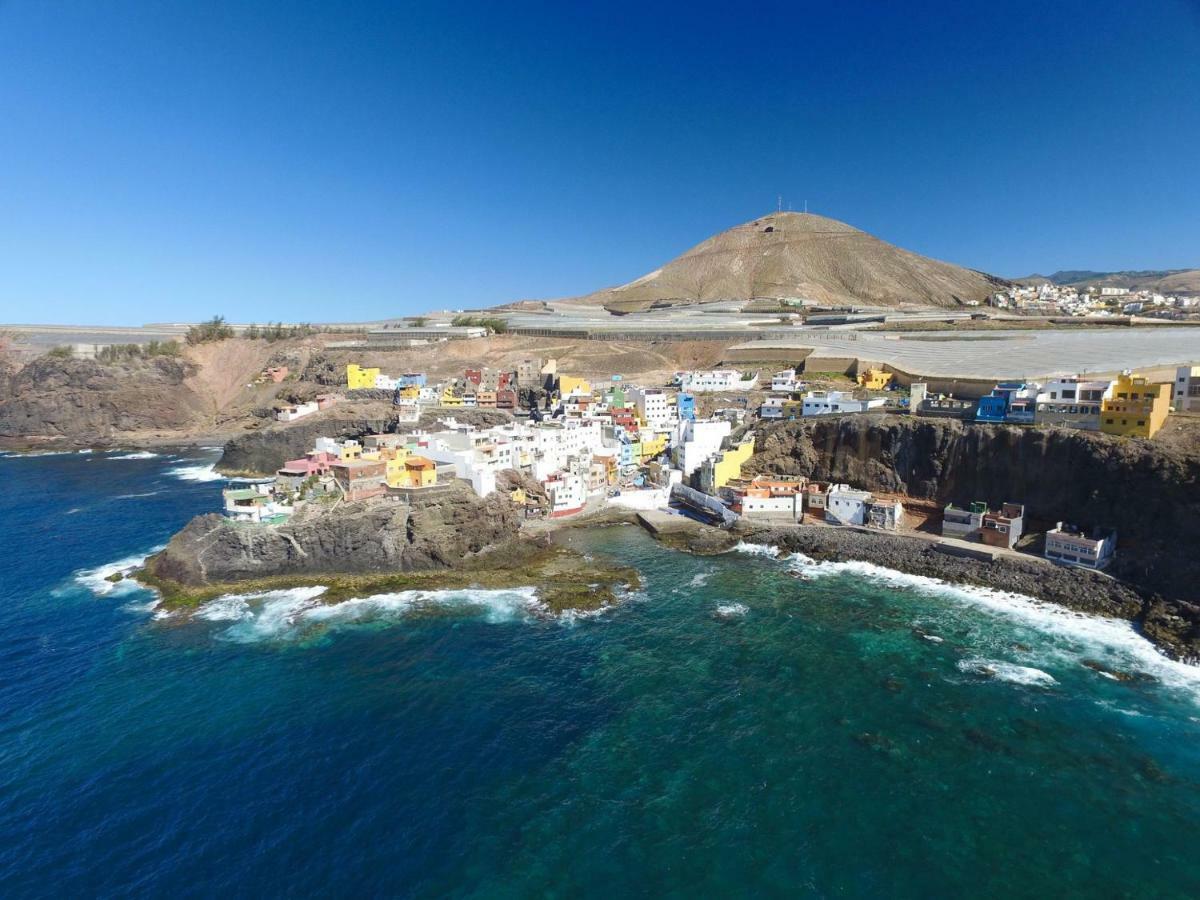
650, 361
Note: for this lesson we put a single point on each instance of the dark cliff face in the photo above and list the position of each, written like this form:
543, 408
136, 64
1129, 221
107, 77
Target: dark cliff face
89, 402
1150, 494
375, 536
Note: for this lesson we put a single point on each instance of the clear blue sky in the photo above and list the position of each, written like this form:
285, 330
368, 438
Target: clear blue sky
163, 161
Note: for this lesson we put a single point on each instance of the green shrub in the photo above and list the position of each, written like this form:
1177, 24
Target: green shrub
215, 329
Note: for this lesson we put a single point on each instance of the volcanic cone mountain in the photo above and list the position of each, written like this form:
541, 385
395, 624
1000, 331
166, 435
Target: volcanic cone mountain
800, 255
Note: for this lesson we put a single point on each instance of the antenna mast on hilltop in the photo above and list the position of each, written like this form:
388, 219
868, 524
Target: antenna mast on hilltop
779, 204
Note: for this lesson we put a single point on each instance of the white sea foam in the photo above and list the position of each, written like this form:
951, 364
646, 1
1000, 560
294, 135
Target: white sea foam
140, 454
700, 579
196, 473
83, 452
291, 614
1114, 640
96, 580
731, 611
756, 549
1006, 671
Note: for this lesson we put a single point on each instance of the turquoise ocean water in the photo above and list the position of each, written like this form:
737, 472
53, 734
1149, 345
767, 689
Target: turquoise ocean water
743, 725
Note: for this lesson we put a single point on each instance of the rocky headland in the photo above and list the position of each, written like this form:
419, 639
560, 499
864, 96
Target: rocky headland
448, 540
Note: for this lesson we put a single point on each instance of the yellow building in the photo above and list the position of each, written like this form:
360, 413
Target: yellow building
874, 379
420, 471
517, 495
449, 398
412, 392
1138, 407
572, 384
654, 445
350, 450
726, 466
358, 377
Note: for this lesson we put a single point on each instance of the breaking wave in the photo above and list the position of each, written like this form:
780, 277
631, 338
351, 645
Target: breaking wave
140, 454
756, 549
202, 472
731, 611
1074, 633
297, 613
1006, 671
98, 581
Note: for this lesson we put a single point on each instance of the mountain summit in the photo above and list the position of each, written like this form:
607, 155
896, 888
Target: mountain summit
799, 255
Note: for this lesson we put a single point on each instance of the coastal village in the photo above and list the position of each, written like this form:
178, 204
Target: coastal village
570, 446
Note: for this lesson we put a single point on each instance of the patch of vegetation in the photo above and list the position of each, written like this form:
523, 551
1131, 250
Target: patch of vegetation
62, 351
215, 329
120, 352
494, 324
277, 331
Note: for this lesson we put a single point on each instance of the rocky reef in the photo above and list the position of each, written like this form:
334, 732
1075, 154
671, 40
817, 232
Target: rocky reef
1151, 494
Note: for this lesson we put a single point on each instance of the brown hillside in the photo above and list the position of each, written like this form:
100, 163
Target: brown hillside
800, 255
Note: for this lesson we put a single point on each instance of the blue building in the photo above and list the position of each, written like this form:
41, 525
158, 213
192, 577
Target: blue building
994, 407
411, 379
687, 406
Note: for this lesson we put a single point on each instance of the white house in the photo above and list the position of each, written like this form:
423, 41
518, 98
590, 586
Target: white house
716, 380
654, 406
1185, 395
567, 493
828, 403
697, 441
784, 381
299, 411
846, 506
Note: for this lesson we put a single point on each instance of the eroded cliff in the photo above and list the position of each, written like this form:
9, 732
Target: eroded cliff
1151, 494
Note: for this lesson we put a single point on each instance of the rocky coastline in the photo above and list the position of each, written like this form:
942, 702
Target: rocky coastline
1169, 626
453, 540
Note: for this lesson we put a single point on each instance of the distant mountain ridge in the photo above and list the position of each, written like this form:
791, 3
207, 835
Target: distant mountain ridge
1165, 281
799, 255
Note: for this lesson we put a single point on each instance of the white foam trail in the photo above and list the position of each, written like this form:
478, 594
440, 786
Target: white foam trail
1006, 671
756, 549
136, 496
140, 454
1115, 640
96, 580
84, 452
731, 610
290, 614
196, 473
701, 579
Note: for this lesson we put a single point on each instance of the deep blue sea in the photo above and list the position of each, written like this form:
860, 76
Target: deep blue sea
744, 725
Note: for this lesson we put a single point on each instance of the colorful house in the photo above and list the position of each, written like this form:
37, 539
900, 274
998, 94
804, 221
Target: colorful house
358, 378
1136, 408
994, 407
874, 379
571, 384
723, 467
450, 398
653, 445
687, 405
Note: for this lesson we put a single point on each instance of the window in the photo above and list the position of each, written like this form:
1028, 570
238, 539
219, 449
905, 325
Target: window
1108, 421
1141, 422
